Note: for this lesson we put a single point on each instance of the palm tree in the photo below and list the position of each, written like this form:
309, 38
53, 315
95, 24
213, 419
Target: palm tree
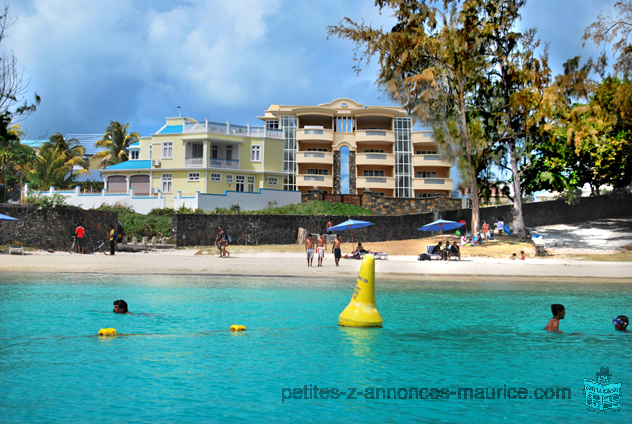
52, 168
117, 141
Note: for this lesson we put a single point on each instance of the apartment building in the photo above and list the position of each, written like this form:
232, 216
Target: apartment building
190, 156
384, 154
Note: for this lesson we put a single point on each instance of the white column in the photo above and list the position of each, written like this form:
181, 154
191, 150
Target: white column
127, 182
227, 127
248, 126
197, 200
206, 124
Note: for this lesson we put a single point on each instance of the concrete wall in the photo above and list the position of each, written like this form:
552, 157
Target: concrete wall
191, 230
262, 199
52, 228
407, 206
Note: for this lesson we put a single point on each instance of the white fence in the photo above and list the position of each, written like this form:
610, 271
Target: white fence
208, 202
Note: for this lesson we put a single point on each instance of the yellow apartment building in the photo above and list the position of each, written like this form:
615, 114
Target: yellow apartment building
188, 156
385, 155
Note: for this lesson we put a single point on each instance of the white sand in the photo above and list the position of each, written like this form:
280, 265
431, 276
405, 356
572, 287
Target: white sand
294, 265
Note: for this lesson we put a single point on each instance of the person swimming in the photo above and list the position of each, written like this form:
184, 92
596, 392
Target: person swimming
621, 324
558, 314
120, 307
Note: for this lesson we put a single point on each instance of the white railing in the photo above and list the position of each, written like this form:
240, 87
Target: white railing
228, 128
311, 131
223, 163
314, 154
432, 157
194, 162
313, 178
375, 156
434, 181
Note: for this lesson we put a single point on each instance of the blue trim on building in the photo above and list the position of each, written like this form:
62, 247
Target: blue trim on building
130, 164
171, 129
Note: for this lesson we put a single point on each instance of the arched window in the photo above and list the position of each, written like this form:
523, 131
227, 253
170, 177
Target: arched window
344, 170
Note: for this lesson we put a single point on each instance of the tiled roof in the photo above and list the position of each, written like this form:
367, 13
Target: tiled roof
87, 141
171, 129
130, 164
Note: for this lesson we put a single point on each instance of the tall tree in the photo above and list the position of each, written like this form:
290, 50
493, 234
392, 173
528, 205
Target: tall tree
73, 150
52, 168
117, 141
510, 98
432, 62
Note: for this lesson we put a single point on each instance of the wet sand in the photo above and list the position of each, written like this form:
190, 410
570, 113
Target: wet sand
294, 265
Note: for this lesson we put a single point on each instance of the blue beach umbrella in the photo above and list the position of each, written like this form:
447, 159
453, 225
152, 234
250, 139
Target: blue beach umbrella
7, 218
440, 225
350, 225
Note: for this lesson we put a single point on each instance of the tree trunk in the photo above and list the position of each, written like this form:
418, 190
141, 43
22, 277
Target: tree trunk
472, 175
517, 203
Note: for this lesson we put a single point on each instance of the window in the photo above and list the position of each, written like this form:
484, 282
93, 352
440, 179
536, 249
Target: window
272, 125
216, 177
240, 183
133, 154
372, 173
255, 153
426, 174
214, 151
197, 150
378, 193
150, 146
167, 150
373, 151
426, 152
317, 149
317, 171
194, 176
166, 182
229, 178
273, 181
251, 184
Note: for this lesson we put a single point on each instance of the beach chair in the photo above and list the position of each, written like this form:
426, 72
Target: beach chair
380, 255
429, 248
17, 250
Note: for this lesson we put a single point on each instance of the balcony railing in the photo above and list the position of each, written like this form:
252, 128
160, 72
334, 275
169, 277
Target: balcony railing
228, 128
379, 156
309, 131
314, 178
194, 162
434, 181
223, 163
314, 154
376, 133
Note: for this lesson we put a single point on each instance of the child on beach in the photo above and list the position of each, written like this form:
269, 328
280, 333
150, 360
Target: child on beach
522, 255
512, 257
558, 313
309, 249
621, 324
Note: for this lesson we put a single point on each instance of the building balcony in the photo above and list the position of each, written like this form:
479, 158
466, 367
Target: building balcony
223, 163
314, 134
315, 180
325, 158
207, 127
375, 182
432, 184
429, 160
375, 136
194, 162
423, 137
384, 159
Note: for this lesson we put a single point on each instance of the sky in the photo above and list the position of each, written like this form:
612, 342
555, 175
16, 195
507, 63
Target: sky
135, 61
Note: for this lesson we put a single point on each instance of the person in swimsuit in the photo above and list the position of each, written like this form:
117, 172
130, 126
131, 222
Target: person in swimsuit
558, 313
321, 245
336, 249
218, 241
120, 307
309, 249
621, 324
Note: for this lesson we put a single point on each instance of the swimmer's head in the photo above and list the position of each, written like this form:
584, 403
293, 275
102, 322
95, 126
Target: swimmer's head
120, 307
558, 310
620, 323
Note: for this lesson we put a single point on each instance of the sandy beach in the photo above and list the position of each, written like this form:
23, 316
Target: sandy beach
257, 264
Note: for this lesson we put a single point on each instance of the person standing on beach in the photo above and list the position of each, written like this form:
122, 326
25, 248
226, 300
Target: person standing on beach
485, 230
218, 241
329, 225
112, 240
80, 232
309, 249
336, 249
225, 239
321, 246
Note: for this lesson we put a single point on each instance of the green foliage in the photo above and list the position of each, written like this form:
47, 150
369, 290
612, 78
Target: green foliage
308, 208
91, 186
117, 141
46, 201
157, 223
571, 196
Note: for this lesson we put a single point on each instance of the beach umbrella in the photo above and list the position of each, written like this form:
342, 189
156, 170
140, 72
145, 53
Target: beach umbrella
440, 225
7, 218
350, 225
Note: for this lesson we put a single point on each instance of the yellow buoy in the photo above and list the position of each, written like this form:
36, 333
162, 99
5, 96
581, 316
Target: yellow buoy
362, 310
107, 332
237, 328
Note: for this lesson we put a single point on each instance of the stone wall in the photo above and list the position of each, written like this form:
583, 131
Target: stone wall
52, 228
192, 230
407, 206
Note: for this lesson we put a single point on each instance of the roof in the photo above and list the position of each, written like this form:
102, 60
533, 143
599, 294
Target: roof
137, 144
33, 143
170, 129
87, 142
130, 164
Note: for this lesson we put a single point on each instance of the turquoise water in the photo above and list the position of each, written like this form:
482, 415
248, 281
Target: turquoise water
179, 368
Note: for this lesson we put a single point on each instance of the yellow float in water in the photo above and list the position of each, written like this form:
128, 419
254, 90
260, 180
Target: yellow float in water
362, 310
107, 332
237, 328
